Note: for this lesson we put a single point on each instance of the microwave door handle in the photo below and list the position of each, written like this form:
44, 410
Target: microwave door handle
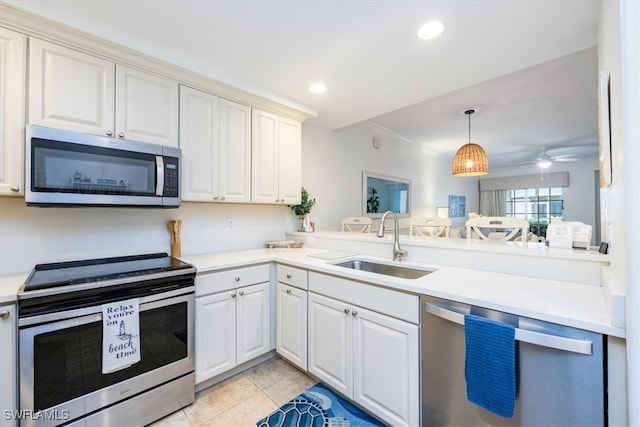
537, 338
160, 175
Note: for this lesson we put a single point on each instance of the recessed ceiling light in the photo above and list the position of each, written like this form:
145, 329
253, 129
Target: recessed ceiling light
318, 88
430, 30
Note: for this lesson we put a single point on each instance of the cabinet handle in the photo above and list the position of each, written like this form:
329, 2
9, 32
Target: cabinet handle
347, 311
215, 197
121, 135
277, 201
354, 313
222, 198
282, 200
15, 189
288, 291
241, 293
109, 133
288, 276
237, 279
233, 295
5, 314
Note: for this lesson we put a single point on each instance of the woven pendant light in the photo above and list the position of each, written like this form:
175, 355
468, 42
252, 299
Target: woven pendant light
470, 159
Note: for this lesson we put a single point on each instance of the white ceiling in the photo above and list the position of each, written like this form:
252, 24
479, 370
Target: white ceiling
529, 66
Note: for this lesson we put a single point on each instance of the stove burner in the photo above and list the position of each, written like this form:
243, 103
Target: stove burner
53, 275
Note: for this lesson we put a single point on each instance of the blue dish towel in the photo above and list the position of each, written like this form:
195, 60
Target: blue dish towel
491, 365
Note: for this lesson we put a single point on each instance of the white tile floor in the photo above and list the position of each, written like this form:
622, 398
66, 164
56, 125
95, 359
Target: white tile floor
244, 399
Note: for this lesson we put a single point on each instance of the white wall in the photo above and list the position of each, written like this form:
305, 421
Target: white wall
30, 235
332, 167
579, 197
619, 22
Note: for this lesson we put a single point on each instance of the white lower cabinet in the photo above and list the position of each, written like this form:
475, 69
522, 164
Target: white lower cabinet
291, 332
232, 327
291, 314
8, 364
369, 357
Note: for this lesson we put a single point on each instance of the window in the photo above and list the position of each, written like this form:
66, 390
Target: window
537, 205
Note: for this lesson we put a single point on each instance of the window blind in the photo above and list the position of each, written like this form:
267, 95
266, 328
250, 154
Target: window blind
556, 179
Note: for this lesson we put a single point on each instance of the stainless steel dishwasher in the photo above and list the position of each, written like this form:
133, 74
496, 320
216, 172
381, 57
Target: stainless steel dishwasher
561, 369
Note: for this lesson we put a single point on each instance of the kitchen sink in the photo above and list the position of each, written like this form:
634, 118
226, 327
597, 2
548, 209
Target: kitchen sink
385, 269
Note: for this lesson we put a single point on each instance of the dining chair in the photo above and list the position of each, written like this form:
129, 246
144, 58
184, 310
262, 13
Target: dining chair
497, 228
430, 227
360, 224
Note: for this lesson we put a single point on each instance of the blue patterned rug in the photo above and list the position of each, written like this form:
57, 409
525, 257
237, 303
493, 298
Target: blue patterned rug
318, 407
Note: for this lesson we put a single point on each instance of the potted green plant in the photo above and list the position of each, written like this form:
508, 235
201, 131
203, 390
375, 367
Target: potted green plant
373, 202
303, 210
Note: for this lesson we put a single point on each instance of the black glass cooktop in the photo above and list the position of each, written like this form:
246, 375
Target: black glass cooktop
57, 274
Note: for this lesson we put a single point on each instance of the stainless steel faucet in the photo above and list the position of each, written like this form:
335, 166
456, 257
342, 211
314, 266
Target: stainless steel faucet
398, 253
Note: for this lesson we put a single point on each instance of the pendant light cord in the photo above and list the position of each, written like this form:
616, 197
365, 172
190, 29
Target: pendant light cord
469, 113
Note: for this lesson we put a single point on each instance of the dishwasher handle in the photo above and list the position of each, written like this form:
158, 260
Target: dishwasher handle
537, 338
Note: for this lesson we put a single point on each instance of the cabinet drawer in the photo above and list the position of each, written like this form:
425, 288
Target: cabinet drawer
386, 301
292, 276
209, 283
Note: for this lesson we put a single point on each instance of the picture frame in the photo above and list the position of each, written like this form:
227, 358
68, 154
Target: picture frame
604, 129
457, 206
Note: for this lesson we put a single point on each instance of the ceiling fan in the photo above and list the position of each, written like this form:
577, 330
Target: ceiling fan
546, 159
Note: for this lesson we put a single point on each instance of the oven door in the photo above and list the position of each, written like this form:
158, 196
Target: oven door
61, 361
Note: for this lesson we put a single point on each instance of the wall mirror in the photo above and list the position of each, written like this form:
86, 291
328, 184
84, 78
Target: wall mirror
381, 193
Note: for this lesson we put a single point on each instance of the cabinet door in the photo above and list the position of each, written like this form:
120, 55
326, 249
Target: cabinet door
13, 49
290, 161
146, 107
331, 342
254, 322
291, 335
70, 90
8, 362
234, 168
215, 334
391, 393
199, 141
264, 149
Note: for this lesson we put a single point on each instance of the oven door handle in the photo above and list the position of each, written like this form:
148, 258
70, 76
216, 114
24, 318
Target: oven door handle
97, 309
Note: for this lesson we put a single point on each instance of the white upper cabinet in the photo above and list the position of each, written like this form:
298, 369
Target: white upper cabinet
277, 158
234, 169
75, 91
146, 107
13, 48
70, 90
290, 161
216, 148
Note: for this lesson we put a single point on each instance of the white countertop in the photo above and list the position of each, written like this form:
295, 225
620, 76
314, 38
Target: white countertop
571, 304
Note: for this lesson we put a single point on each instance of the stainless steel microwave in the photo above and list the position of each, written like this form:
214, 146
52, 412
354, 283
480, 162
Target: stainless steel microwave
64, 168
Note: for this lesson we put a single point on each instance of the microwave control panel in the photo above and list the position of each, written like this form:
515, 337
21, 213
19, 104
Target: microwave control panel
171, 177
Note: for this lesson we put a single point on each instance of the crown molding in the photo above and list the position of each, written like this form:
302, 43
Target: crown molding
42, 28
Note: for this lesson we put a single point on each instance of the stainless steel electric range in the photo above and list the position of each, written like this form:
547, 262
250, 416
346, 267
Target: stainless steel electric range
61, 342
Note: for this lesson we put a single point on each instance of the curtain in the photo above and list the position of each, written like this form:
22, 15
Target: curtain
493, 203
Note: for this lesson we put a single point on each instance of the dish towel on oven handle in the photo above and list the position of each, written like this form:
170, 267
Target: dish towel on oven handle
120, 335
